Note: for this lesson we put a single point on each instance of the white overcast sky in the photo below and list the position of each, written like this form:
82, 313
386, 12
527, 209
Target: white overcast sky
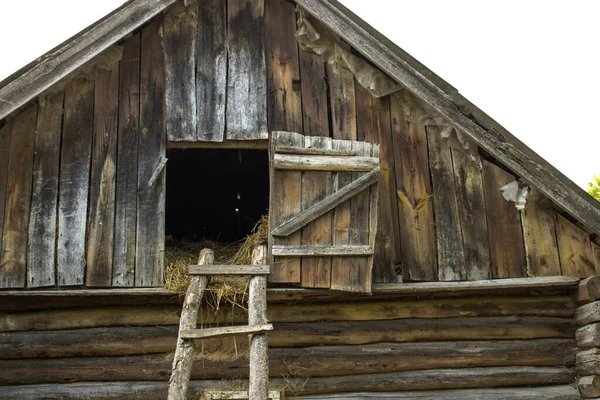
532, 65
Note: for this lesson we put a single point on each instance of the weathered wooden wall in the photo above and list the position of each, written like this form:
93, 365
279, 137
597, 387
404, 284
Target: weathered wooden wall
76, 209
334, 345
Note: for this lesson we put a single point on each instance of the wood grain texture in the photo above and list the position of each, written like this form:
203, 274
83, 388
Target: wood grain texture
324, 163
340, 82
576, 258
101, 218
150, 239
38, 76
539, 231
258, 387
450, 253
211, 70
75, 160
316, 186
314, 95
247, 75
4, 158
41, 266
596, 253
504, 225
588, 313
588, 336
179, 49
285, 201
415, 208
123, 272
13, 259
283, 71
589, 386
471, 211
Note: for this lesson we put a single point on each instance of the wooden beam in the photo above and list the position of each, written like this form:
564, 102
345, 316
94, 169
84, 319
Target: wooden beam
314, 151
225, 331
324, 163
497, 141
316, 251
229, 270
588, 336
38, 76
226, 144
588, 290
327, 204
589, 386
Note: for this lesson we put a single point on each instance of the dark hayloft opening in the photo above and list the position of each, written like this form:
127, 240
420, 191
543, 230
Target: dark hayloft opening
215, 194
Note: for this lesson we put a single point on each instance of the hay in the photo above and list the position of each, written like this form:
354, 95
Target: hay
232, 290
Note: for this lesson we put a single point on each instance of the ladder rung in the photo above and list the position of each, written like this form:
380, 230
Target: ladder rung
225, 331
229, 269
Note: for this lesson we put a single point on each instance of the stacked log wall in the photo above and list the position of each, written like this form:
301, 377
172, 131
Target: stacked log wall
335, 345
76, 208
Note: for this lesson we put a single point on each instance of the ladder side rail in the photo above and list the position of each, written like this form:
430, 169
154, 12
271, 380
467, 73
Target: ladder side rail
257, 315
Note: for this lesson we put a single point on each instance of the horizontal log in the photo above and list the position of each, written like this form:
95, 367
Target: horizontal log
299, 362
412, 380
588, 336
259, 144
208, 270
588, 362
588, 290
556, 306
562, 392
313, 151
21, 300
324, 163
308, 251
589, 386
207, 333
162, 339
588, 313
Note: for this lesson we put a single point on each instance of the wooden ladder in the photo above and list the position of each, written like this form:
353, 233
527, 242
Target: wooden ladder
257, 323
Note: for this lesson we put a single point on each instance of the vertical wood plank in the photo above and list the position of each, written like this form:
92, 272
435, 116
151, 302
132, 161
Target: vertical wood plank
211, 70
41, 267
285, 202
471, 211
314, 94
576, 258
247, 77
504, 225
316, 185
596, 254
123, 274
539, 230
451, 258
343, 103
375, 217
285, 103
74, 181
374, 126
415, 208
101, 217
13, 263
151, 200
179, 49
4, 156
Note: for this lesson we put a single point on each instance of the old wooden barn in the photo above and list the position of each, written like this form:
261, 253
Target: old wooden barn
417, 249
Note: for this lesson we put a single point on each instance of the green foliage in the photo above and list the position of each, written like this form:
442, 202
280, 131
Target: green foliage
594, 188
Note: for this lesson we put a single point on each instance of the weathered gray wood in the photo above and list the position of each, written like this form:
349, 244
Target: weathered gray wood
179, 49
247, 75
184, 352
4, 157
13, 259
589, 386
150, 239
495, 140
101, 219
257, 315
217, 394
31, 80
588, 336
327, 204
576, 258
315, 151
73, 185
123, 274
588, 362
588, 290
450, 252
324, 163
211, 70
207, 270
41, 267
207, 333
323, 250
588, 313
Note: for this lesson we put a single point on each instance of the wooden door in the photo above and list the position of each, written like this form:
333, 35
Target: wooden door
323, 211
